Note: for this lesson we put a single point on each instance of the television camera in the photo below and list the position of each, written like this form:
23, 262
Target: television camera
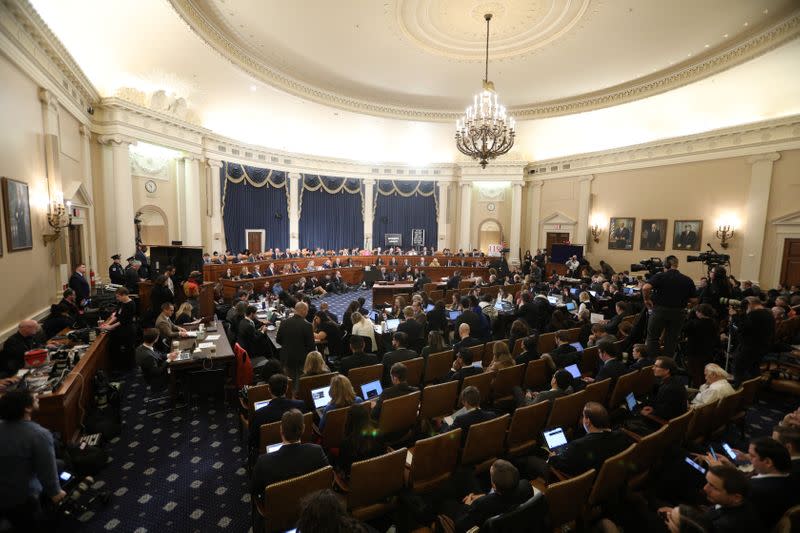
711, 258
652, 266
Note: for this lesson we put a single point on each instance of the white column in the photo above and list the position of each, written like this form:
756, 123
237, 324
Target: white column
442, 224
119, 208
535, 209
755, 214
369, 197
465, 228
516, 217
88, 184
191, 219
584, 199
217, 231
294, 210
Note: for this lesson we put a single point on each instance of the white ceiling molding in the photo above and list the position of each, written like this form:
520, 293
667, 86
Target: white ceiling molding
744, 140
717, 59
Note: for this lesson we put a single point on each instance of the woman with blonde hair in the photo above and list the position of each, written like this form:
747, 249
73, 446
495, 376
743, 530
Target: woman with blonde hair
501, 358
185, 314
342, 395
363, 327
586, 302
315, 364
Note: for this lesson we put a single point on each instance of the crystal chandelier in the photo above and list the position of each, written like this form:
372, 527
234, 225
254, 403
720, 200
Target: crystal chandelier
485, 131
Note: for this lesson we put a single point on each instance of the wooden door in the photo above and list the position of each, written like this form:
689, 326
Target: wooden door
75, 248
555, 238
790, 266
254, 243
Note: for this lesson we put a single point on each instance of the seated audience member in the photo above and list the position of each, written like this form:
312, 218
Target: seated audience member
324, 308
152, 362
611, 366
342, 395
435, 344
411, 327
599, 333
274, 410
328, 332
27, 337
361, 439
560, 385
530, 347
463, 367
508, 491
501, 358
365, 328
715, 388
322, 511
519, 330
399, 354
564, 354
357, 358
58, 319
641, 357
466, 340
469, 316
669, 399
399, 387
185, 314
251, 334
612, 325
790, 438
28, 462
685, 519
166, 328
68, 301
471, 413
315, 365
437, 319
291, 460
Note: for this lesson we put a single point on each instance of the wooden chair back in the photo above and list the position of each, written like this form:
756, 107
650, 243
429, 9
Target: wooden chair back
257, 393
611, 478
399, 414
518, 347
504, 382
700, 425
415, 367
483, 382
645, 382
436, 295
365, 374
547, 342
563, 497
647, 450
437, 366
677, 428
598, 391
624, 386
282, 507
750, 387
726, 408
537, 375
477, 352
333, 432
572, 335
434, 461
589, 360
374, 483
309, 383
438, 400
271, 433
488, 351
527, 424
566, 411
485, 442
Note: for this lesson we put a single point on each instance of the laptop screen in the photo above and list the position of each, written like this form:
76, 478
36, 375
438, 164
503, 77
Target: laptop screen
259, 405
630, 399
578, 346
392, 323
373, 315
454, 315
553, 300
555, 438
628, 291
593, 293
574, 291
274, 447
571, 306
371, 390
574, 370
321, 397
429, 308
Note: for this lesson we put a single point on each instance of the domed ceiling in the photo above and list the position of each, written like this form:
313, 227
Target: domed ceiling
423, 59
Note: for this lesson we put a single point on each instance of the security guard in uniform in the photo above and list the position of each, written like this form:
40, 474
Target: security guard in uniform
116, 272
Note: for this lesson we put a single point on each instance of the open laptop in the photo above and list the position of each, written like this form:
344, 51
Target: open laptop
631, 402
571, 307
574, 371
321, 397
553, 300
554, 438
373, 315
578, 346
454, 315
593, 293
371, 390
392, 323
274, 447
429, 308
574, 291
259, 405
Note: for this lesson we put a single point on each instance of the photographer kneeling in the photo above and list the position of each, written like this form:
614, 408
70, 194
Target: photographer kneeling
27, 461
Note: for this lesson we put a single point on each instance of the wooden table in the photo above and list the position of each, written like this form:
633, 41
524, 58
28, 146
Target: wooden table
62, 411
203, 359
383, 294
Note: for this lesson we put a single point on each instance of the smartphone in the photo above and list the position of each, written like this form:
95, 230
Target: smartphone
713, 453
729, 451
65, 477
695, 465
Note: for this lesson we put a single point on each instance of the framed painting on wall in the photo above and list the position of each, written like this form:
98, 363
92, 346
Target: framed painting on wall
620, 233
687, 235
653, 234
17, 214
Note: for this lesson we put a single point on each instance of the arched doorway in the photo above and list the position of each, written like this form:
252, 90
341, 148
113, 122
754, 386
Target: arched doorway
490, 231
154, 225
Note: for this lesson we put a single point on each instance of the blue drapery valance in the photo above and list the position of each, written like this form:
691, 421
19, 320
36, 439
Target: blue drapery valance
400, 206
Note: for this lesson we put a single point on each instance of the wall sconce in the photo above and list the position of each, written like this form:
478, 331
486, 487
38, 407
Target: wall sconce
59, 216
596, 231
724, 234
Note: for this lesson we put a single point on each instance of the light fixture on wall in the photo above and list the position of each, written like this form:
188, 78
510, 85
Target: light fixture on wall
596, 231
724, 234
485, 131
59, 216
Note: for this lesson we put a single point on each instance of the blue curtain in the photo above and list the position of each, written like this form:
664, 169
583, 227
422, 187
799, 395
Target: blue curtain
331, 221
401, 214
258, 201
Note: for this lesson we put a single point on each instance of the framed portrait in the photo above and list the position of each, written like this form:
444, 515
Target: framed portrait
620, 233
653, 234
17, 214
688, 235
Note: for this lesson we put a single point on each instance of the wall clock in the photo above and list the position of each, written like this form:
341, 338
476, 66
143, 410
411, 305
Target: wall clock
150, 186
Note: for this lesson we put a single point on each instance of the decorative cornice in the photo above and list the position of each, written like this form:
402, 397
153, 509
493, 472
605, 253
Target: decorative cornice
770, 157
214, 163
48, 99
704, 65
115, 139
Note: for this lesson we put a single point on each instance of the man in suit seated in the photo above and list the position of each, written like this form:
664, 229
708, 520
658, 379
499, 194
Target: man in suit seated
470, 413
462, 367
410, 326
251, 335
641, 357
152, 362
399, 353
508, 491
467, 341
560, 385
273, 411
790, 437
564, 354
399, 387
422, 280
611, 367
454, 280
669, 400
166, 328
358, 357
293, 459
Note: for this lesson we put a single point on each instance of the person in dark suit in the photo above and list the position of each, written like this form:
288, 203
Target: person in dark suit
528, 311
472, 413
399, 354
296, 338
358, 358
153, 363
115, 272
274, 410
410, 326
462, 367
641, 357
79, 284
250, 335
421, 281
687, 240
611, 367
789, 436
160, 294
774, 488
454, 280
399, 387
141, 256
292, 459
27, 337
133, 277
58, 319
68, 301
468, 316
508, 491
669, 400
466, 339
560, 385
564, 354
613, 325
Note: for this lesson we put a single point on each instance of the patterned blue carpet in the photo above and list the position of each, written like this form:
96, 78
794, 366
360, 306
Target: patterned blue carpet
184, 471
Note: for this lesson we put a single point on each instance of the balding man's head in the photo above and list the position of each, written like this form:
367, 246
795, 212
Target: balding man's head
301, 308
463, 330
28, 328
595, 417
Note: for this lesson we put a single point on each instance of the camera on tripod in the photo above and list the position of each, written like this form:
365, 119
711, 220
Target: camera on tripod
731, 302
711, 258
654, 265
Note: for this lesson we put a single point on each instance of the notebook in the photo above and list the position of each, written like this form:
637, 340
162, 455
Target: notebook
321, 397
574, 370
554, 438
371, 390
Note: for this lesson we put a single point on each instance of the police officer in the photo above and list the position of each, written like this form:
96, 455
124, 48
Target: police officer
666, 295
116, 272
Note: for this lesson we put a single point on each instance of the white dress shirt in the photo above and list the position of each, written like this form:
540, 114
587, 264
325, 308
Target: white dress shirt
712, 393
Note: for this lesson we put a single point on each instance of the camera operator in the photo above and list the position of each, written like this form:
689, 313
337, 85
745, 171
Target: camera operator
27, 461
756, 333
666, 294
718, 287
